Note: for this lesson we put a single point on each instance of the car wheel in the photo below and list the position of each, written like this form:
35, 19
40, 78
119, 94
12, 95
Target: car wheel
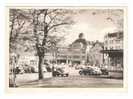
88, 74
80, 73
66, 75
62, 75
85, 73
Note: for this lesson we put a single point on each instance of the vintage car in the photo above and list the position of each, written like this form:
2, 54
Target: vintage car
60, 72
104, 71
90, 71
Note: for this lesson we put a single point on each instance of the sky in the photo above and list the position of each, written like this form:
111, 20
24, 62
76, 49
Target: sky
94, 24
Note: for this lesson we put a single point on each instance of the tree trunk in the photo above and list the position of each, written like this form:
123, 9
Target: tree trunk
40, 67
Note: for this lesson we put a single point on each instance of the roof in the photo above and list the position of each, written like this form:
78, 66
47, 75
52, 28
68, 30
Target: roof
115, 34
80, 41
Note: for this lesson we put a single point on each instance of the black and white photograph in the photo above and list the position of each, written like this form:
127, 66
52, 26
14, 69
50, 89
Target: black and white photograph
66, 47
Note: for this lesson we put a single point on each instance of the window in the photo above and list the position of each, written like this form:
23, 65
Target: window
76, 56
83, 57
117, 41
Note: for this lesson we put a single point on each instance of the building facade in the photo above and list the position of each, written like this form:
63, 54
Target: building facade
94, 55
74, 53
71, 54
113, 49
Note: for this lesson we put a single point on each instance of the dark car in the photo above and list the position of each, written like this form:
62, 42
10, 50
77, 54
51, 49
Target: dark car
29, 69
104, 71
60, 72
90, 71
16, 70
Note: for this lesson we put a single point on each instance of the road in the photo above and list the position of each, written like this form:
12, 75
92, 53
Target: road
77, 81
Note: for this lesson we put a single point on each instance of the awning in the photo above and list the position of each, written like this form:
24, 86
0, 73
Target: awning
112, 52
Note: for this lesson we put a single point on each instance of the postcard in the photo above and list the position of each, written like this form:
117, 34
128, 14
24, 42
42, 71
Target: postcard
66, 47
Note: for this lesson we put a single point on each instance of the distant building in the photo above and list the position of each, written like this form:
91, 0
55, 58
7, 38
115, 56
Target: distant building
94, 55
27, 58
74, 53
113, 49
113, 41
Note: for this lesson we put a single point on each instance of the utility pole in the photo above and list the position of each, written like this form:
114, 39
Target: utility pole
103, 53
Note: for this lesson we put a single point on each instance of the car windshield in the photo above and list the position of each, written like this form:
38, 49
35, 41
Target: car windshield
60, 70
87, 68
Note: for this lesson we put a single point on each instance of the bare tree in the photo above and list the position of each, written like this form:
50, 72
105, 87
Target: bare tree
17, 21
42, 23
45, 22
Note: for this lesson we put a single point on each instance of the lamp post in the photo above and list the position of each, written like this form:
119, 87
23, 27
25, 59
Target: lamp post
53, 48
103, 53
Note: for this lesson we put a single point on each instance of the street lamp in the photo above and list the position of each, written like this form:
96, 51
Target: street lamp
53, 48
103, 53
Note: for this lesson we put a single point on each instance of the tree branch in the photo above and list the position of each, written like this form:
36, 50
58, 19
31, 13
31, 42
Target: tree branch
35, 23
45, 14
18, 30
52, 11
22, 25
51, 19
56, 25
12, 27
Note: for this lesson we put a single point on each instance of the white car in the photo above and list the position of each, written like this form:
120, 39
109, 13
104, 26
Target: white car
97, 69
90, 70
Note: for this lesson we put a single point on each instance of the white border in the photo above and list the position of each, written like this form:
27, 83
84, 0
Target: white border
70, 90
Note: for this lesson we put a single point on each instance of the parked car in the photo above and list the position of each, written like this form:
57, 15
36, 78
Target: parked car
47, 67
60, 72
17, 70
90, 71
104, 71
79, 67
